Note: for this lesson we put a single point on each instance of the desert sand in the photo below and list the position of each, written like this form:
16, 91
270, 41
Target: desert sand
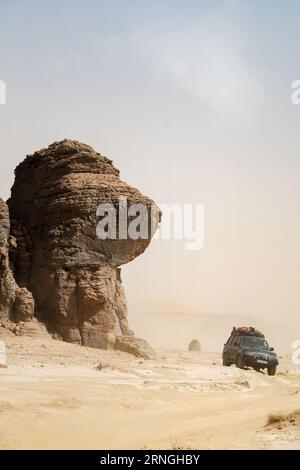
55, 395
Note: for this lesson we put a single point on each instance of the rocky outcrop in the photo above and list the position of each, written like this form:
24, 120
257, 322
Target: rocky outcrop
16, 303
73, 276
195, 346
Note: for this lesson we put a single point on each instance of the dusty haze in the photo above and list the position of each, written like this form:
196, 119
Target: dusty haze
193, 104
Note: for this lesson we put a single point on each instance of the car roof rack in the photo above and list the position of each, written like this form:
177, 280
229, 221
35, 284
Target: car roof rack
247, 331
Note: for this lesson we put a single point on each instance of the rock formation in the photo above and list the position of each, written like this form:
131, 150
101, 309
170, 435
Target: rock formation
195, 346
15, 302
56, 257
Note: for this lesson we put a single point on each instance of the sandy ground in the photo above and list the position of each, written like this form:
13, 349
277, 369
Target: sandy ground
54, 395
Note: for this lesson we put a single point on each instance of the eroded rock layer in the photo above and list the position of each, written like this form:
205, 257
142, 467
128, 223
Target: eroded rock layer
16, 303
73, 276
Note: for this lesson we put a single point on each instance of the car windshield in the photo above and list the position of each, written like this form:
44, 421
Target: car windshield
255, 342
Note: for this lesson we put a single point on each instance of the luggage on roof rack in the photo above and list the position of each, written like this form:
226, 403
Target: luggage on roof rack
247, 330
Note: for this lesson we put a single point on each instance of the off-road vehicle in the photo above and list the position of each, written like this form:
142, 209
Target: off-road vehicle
248, 347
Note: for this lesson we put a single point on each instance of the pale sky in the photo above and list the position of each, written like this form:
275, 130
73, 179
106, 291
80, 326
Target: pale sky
192, 101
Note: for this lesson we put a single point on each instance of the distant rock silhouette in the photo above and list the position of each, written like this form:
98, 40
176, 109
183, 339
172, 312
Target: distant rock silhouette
195, 346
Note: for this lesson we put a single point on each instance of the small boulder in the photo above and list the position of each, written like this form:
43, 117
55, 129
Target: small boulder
136, 346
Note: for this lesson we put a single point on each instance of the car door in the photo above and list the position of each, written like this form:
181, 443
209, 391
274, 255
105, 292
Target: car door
229, 346
236, 347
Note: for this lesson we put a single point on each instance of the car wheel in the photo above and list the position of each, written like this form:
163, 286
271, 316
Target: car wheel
226, 363
240, 363
272, 370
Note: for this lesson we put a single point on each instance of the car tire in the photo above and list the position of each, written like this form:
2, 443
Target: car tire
256, 368
272, 370
226, 363
240, 363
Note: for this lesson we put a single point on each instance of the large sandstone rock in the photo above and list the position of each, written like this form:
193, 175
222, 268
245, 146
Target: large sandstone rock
74, 277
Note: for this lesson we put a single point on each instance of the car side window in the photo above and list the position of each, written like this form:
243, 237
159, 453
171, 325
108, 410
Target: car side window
237, 341
231, 340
